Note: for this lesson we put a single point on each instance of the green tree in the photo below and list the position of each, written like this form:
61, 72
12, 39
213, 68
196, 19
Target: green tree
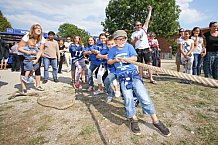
71, 30
4, 23
123, 13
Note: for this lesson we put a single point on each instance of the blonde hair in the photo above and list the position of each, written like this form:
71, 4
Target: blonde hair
31, 33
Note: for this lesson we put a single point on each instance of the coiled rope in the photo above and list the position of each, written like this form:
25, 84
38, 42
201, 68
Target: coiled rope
194, 78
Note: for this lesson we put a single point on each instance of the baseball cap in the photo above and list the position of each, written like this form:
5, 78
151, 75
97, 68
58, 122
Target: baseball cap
51, 33
119, 33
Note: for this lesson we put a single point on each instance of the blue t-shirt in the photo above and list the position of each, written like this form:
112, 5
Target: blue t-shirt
92, 57
30, 49
103, 51
126, 52
76, 52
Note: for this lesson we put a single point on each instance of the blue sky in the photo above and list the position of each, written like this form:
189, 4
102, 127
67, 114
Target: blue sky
197, 13
88, 14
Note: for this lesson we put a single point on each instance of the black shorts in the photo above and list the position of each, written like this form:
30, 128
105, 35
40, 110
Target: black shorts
37, 71
144, 54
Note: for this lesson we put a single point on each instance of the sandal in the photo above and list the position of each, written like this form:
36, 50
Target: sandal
39, 88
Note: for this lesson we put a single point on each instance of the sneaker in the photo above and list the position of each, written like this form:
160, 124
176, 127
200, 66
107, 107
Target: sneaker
56, 80
77, 85
98, 92
90, 89
26, 80
109, 99
117, 94
45, 81
134, 127
153, 82
39, 88
163, 129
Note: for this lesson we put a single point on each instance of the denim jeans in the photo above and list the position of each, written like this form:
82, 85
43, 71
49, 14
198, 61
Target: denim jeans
197, 63
108, 84
142, 95
92, 67
187, 63
211, 65
53, 62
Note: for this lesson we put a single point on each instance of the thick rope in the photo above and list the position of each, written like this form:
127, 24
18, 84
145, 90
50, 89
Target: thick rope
194, 78
41, 102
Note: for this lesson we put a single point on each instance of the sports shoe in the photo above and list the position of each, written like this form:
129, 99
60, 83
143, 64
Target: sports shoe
56, 80
117, 94
109, 99
98, 92
26, 80
134, 127
44, 81
153, 82
90, 89
163, 129
78, 86
39, 88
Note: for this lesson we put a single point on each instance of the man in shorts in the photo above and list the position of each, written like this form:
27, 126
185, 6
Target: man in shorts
139, 40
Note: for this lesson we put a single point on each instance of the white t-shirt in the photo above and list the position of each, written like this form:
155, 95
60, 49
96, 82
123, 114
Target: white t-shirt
186, 45
25, 38
142, 43
198, 49
67, 44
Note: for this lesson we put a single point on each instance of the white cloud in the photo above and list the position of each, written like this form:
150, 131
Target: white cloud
188, 14
50, 14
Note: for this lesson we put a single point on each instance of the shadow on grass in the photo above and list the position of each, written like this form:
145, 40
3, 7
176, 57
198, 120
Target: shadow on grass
3, 83
114, 113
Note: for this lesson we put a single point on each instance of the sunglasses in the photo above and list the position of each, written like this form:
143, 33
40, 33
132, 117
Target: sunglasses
138, 24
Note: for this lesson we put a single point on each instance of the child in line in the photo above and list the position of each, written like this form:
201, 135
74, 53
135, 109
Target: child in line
92, 51
186, 48
153, 42
110, 82
130, 81
199, 50
178, 53
29, 66
102, 49
78, 60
